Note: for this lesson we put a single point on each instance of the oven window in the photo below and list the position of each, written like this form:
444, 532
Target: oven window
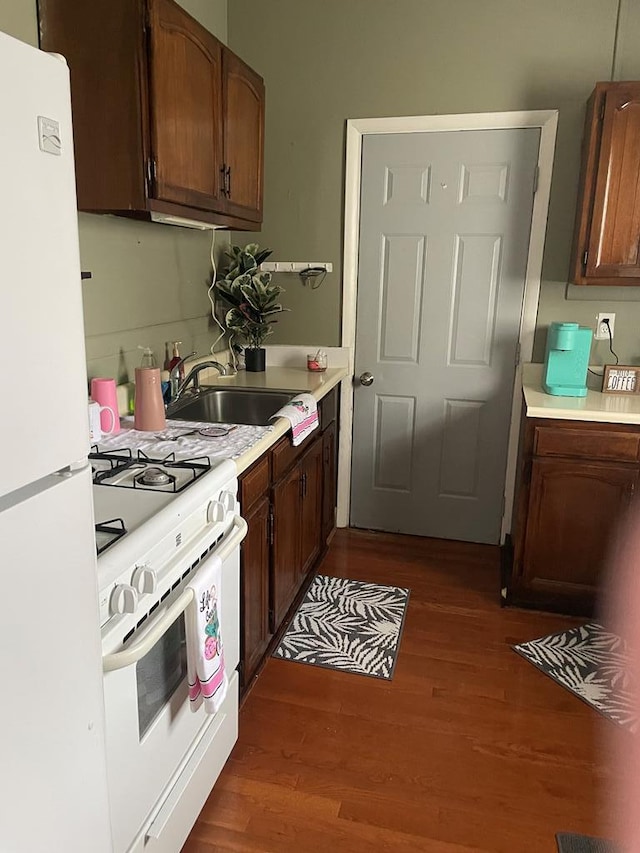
159, 673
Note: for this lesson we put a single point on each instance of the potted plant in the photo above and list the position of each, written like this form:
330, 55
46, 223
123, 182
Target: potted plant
252, 298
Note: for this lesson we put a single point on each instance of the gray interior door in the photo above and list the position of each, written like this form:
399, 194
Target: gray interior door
445, 220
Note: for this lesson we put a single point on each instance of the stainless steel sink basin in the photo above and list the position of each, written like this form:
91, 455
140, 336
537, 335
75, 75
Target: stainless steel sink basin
231, 406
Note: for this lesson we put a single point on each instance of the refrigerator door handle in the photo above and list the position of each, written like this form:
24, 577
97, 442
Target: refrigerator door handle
137, 650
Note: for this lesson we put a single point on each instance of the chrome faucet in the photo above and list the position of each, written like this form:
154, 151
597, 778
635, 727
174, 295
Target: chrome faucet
193, 377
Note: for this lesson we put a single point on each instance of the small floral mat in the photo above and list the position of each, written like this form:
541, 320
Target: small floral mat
592, 663
347, 625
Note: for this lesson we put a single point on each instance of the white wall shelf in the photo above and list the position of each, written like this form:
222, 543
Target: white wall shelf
295, 266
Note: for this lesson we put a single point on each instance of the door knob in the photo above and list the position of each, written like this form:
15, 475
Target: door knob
366, 378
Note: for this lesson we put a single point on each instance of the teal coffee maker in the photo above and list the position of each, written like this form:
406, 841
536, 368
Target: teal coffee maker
567, 360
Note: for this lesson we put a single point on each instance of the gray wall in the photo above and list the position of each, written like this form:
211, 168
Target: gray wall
324, 62
149, 281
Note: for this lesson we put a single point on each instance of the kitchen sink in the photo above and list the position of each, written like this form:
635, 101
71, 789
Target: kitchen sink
231, 406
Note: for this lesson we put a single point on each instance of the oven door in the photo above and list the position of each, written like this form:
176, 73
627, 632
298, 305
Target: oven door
151, 731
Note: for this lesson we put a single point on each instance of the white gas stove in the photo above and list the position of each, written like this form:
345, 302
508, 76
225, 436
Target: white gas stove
145, 509
159, 521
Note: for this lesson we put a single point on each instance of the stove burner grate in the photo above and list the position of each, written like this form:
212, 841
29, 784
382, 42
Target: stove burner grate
153, 474
110, 531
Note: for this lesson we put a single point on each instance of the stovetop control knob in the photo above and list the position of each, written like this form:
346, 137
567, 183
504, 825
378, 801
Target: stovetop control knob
124, 599
228, 500
215, 512
144, 579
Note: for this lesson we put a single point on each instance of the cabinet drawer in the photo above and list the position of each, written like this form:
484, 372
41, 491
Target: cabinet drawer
587, 444
328, 408
253, 484
283, 456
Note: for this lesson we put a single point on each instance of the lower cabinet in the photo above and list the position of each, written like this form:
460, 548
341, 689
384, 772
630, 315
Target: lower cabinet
330, 480
576, 481
297, 502
256, 630
288, 500
285, 577
311, 471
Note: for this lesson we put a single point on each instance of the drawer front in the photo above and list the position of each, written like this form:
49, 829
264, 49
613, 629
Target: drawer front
328, 407
284, 455
587, 444
253, 484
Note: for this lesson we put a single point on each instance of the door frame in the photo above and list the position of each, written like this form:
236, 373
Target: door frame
547, 122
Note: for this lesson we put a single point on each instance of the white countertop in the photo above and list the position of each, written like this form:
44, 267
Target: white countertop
280, 378
596, 406
245, 444
294, 379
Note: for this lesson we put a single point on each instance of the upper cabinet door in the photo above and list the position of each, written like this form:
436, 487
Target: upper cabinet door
185, 109
243, 97
607, 238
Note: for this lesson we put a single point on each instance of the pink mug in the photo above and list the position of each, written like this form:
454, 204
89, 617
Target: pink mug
103, 391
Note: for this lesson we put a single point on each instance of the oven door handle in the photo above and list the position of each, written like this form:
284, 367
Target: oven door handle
138, 649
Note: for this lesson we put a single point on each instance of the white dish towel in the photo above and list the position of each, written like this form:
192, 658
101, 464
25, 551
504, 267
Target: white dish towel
302, 414
205, 653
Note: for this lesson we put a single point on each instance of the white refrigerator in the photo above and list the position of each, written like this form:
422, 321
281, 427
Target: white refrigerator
53, 785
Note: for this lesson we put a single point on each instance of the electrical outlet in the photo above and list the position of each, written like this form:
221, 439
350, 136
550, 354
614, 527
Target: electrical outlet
602, 332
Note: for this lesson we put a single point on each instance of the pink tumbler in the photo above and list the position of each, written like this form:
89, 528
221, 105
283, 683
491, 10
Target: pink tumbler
149, 406
103, 391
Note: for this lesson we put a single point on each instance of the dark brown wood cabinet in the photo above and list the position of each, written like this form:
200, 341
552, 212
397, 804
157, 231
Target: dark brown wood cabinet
167, 120
297, 501
288, 499
256, 631
185, 77
285, 573
606, 245
329, 479
254, 569
243, 124
311, 471
576, 481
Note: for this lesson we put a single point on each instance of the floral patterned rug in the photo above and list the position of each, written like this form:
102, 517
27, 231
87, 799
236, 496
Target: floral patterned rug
347, 625
592, 663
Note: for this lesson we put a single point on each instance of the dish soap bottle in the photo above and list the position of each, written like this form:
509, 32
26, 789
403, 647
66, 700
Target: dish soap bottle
175, 359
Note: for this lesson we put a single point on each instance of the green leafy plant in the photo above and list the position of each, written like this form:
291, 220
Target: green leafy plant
252, 297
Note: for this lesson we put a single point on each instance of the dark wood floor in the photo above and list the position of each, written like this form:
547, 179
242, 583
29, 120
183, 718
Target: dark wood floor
468, 748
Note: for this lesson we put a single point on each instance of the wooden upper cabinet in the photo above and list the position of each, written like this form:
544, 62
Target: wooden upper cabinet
152, 92
606, 247
185, 72
243, 98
